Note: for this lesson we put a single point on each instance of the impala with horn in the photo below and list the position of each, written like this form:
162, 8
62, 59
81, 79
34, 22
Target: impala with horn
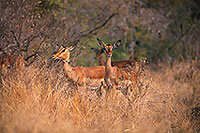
114, 74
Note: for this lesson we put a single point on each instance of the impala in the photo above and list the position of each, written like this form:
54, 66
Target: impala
80, 74
114, 74
137, 66
120, 64
10, 62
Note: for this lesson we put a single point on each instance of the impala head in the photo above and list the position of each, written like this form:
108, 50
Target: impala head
141, 64
63, 53
98, 52
108, 48
144, 61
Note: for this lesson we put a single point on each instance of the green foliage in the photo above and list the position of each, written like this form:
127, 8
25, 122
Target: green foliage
157, 29
87, 56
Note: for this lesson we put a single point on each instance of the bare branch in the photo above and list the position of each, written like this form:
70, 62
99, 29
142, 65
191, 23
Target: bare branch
16, 39
37, 50
33, 55
3, 51
98, 27
92, 31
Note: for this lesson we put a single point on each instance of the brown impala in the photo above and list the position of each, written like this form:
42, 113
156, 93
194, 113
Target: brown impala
114, 74
11, 62
79, 74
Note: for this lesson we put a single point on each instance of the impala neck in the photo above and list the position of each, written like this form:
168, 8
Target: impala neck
108, 63
138, 67
101, 61
68, 68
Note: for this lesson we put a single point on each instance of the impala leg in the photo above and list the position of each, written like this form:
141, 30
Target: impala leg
124, 90
133, 81
113, 92
82, 79
107, 90
98, 91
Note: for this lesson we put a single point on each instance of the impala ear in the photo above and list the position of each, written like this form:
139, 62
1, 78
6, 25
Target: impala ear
59, 46
101, 43
57, 53
94, 49
116, 44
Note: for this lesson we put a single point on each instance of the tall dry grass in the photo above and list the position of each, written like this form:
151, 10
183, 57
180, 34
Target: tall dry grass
41, 99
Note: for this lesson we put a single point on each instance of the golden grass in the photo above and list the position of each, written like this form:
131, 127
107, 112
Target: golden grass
42, 100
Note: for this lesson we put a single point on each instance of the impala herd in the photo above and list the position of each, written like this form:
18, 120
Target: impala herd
112, 75
115, 74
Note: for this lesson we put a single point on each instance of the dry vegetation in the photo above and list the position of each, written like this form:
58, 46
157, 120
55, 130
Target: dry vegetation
40, 99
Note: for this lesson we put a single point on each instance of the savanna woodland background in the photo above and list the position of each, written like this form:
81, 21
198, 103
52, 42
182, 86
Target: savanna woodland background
36, 96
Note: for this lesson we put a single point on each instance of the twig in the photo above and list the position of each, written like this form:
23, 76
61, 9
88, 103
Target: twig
16, 39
